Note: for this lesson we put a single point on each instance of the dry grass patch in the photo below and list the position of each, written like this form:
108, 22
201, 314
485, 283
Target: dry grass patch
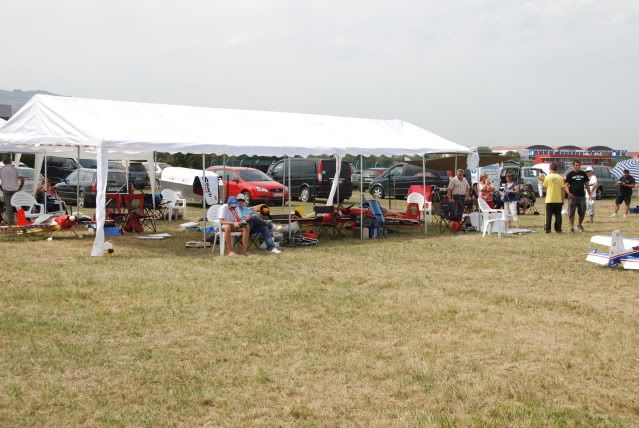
437, 330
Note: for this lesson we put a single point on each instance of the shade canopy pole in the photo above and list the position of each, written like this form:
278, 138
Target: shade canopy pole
202, 182
361, 197
77, 188
423, 207
289, 199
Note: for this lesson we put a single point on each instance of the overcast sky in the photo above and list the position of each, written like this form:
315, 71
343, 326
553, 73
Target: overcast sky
478, 72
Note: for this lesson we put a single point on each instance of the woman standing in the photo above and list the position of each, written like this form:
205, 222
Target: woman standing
486, 190
511, 196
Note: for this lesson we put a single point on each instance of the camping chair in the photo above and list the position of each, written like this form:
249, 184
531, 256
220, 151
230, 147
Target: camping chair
490, 216
212, 216
328, 221
136, 203
160, 209
379, 223
449, 216
531, 209
26, 201
173, 203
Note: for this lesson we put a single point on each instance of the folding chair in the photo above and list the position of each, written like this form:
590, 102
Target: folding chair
136, 203
212, 216
327, 221
379, 227
449, 216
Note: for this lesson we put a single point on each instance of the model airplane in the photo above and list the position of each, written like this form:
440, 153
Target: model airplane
44, 224
623, 251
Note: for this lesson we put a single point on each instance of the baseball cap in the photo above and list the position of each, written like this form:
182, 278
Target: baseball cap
241, 196
588, 169
232, 201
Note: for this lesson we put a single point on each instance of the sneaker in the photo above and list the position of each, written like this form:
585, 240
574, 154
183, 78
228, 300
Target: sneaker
572, 230
625, 215
613, 215
275, 251
580, 228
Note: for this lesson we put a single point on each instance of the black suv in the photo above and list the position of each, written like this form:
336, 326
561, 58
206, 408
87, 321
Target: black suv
67, 189
396, 180
312, 178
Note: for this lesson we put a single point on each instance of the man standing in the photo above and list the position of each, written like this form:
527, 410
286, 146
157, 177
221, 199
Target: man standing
554, 184
11, 182
626, 183
592, 184
458, 190
576, 188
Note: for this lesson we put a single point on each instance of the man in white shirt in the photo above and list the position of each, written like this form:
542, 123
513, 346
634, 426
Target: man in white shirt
458, 190
231, 221
11, 182
590, 202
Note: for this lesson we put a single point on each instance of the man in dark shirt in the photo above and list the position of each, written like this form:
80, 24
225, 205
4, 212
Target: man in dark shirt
576, 189
626, 183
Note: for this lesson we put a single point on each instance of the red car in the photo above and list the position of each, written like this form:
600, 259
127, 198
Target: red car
253, 183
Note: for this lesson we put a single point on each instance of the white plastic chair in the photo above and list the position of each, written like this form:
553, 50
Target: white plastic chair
425, 206
174, 203
212, 217
487, 221
24, 199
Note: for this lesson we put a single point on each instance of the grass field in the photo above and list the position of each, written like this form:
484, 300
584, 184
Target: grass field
433, 330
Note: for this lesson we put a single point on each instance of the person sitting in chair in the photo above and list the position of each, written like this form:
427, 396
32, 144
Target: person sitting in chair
257, 223
46, 192
527, 198
231, 221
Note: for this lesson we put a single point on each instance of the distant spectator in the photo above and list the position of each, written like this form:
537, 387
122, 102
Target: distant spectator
486, 189
554, 184
510, 198
231, 221
576, 189
593, 183
626, 183
527, 198
257, 223
10, 182
46, 193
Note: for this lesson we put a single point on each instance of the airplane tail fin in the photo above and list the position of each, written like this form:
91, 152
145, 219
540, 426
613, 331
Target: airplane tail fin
616, 244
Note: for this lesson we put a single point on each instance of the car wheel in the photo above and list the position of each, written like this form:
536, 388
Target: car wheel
305, 194
377, 192
247, 197
599, 193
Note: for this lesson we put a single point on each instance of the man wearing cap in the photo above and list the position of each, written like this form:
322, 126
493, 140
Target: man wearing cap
231, 221
626, 183
590, 202
256, 222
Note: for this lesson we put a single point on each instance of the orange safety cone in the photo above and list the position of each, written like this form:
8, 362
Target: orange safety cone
21, 218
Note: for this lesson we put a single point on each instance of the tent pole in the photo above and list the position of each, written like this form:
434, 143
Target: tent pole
77, 187
37, 174
224, 177
423, 207
289, 198
155, 178
203, 182
361, 197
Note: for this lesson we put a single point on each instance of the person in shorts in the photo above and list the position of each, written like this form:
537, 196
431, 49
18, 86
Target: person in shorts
576, 188
593, 183
626, 183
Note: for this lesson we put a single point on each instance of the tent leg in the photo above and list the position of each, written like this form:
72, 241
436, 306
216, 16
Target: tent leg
423, 208
361, 197
202, 182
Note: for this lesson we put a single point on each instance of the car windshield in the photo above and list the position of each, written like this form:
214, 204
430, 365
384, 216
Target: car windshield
89, 163
254, 175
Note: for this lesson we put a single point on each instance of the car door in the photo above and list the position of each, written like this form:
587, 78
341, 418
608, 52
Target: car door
391, 181
412, 174
66, 187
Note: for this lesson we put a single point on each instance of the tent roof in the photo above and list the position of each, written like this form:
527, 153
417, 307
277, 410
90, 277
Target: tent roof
2, 122
88, 123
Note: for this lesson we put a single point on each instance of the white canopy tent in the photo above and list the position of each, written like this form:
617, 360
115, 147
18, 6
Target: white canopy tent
100, 126
2, 122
